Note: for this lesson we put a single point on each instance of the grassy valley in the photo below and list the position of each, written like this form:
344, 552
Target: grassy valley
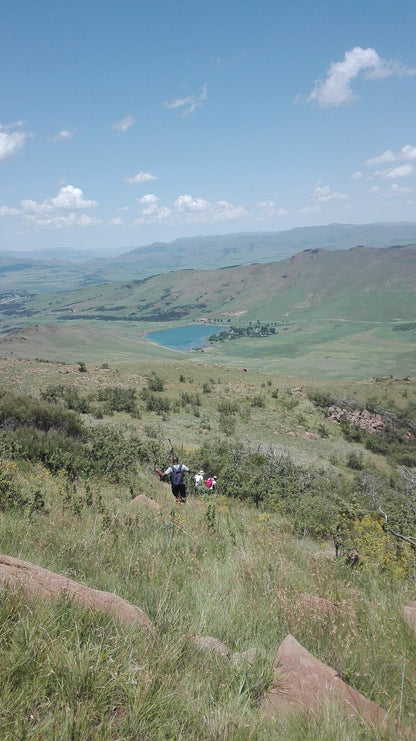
347, 313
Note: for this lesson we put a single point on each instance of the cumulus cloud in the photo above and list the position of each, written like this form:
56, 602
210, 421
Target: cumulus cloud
357, 175
190, 103
12, 139
387, 156
117, 221
336, 89
124, 125
401, 171
187, 209
68, 198
55, 213
140, 177
406, 153
323, 193
151, 210
200, 210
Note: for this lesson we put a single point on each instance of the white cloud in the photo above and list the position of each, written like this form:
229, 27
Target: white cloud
188, 203
57, 221
401, 171
200, 210
55, 213
68, 197
407, 153
117, 221
63, 135
124, 125
374, 189
387, 156
140, 177
12, 139
336, 89
187, 209
151, 210
323, 193
357, 175
190, 103
7, 211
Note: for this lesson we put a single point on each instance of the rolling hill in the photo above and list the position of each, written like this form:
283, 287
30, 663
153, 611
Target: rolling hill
57, 270
360, 284
345, 313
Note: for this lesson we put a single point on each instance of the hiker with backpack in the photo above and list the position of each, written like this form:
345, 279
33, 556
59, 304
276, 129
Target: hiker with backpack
177, 480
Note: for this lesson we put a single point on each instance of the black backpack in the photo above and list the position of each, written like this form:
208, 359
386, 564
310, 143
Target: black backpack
176, 476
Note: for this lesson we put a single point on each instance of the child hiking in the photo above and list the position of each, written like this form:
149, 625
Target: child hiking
177, 480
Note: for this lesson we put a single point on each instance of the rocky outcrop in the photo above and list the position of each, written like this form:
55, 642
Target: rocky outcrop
364, 419
37, 581
303, 683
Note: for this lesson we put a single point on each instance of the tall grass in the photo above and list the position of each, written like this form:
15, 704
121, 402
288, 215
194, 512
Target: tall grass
69, 673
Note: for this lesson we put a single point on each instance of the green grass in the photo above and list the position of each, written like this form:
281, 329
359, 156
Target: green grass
68, 673
216, 568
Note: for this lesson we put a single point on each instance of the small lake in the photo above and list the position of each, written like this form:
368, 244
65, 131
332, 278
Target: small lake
189, 337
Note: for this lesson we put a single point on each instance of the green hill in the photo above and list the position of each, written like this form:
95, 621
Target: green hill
347, 311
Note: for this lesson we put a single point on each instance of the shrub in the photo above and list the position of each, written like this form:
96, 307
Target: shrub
10, 494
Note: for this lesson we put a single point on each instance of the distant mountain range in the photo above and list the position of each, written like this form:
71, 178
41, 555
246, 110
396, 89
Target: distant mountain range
56, 270
245, 248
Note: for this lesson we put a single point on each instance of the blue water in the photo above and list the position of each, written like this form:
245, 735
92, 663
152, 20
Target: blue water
189, 337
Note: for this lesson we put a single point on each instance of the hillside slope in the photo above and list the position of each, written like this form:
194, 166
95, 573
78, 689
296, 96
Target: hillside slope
357, 284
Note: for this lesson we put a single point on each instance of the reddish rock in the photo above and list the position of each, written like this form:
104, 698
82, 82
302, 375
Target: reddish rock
36, 581
143, 499
303, 683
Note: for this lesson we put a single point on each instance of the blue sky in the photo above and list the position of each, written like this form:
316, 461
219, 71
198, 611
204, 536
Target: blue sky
127, 123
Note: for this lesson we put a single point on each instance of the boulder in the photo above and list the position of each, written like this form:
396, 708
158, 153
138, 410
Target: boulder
37, 581
143, 499
303, 683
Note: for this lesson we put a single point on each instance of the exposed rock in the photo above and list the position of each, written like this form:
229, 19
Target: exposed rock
37, 581
207, 643
143, 499
363, 419
409, 613
303, 683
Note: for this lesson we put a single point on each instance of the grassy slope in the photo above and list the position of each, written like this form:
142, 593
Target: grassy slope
228, 571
